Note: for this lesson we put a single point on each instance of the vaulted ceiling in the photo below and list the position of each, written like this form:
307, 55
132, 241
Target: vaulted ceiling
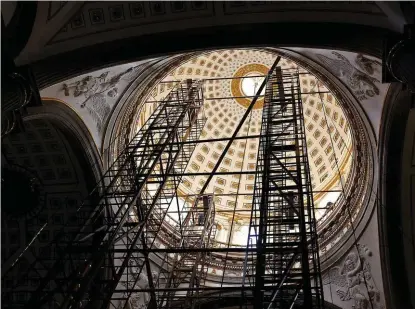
226, 102
126, 31
63, 26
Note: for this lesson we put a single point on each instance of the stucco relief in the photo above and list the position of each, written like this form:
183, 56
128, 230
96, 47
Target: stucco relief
368, 65
359, 76
354, 280
95, 90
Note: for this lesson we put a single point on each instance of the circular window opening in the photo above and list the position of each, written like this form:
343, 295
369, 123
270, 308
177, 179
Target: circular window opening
251, 83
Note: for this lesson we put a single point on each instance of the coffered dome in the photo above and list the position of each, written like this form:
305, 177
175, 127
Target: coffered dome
230, 79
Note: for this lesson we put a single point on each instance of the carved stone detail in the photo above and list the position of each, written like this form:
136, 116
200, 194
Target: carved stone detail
355, 281
96, 89
362, 84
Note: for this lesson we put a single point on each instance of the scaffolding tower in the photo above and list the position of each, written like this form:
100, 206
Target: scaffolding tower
91, 264
282, 266
189, 266
141, 243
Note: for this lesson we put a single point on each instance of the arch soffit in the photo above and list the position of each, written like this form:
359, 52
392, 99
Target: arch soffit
58, 68
65, 118
75, 23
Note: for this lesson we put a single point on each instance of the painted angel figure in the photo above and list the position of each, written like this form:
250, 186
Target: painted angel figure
87, 86
90, 85
355, 78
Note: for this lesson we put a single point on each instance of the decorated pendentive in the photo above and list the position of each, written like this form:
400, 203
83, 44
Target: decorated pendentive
94, 92
354, 281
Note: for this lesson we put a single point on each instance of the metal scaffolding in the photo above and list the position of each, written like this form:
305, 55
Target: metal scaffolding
113, 256
189, 267
89, 266
283, 267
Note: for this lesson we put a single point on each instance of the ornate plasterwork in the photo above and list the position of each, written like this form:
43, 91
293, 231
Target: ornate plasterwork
93, 96
236, 84
354, 281
363, 85
334, 228
361, 74
222, 116
94, 91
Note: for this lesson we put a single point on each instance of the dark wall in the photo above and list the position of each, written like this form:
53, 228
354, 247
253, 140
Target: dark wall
46, 177
391, 142
332, 36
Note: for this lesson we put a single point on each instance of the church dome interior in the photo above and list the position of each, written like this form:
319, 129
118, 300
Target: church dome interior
229, 80
207, 155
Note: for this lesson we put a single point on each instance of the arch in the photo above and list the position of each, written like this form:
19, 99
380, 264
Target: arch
71, 167
64, 117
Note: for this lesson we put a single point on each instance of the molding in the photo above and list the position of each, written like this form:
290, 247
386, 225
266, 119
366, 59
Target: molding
118, 110
349, 37
103, 22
